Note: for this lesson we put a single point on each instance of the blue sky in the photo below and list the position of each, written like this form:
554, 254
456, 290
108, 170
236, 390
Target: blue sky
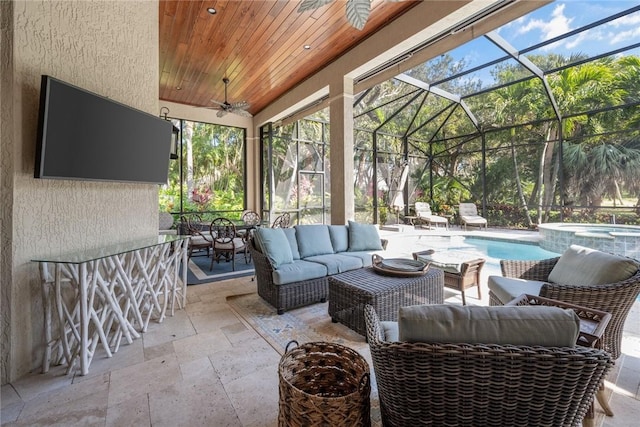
553, 20
561, 17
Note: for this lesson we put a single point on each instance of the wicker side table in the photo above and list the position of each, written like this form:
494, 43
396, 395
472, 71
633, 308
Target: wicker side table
349, 292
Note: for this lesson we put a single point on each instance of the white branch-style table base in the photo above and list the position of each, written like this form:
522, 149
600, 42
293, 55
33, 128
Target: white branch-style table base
105, 295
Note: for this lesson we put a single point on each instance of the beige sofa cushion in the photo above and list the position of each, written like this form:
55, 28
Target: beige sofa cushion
526, 325
583, 266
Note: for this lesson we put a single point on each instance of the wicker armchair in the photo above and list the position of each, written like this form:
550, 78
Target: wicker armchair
615, 298
482, 384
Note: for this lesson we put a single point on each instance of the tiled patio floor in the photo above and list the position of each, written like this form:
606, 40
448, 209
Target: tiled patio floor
205, 367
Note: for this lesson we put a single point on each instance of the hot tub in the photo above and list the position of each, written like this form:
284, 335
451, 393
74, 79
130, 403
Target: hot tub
617, 239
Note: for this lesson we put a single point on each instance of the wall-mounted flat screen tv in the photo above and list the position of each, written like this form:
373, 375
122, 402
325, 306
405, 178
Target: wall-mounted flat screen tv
84, 136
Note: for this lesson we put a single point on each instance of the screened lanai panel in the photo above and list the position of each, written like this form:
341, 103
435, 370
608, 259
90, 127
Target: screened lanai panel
510, 181
380, 95
390, 186
485, 78
430, 116
430, 128
517, 103
311, 156
391, 96
364, 187
436, 135
603, 167
363, 140
560, 17
387, 143
285, 168
311, 130
310, 194
418, 179
577, 89
469, 56
399, 122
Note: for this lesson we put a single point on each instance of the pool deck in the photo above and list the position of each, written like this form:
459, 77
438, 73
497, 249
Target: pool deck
624, 381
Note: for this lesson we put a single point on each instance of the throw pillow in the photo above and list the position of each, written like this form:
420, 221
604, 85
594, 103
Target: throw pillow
313, 240
363, 237
293, 243
339, 237
584, 266
274, 245
527, 325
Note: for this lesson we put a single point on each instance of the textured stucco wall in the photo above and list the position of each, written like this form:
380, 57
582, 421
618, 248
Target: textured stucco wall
107, 47
6, 180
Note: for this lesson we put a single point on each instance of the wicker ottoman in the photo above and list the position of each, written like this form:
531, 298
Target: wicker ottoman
349, 292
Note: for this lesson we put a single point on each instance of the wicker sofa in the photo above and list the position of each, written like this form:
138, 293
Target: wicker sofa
467, 384
299, 276
614, 291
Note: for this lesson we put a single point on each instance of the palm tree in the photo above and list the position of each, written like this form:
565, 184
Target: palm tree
511, 105
580, 88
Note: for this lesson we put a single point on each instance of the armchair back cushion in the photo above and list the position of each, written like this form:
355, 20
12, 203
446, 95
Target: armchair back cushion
313, 239
363, 237
275, 245
583, 266
532, 325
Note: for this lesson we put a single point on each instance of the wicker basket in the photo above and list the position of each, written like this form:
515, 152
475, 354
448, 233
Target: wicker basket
323, 384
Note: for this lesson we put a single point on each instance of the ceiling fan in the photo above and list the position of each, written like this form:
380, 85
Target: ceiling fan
239, 108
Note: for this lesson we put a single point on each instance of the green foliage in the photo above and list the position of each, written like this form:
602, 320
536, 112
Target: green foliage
212, 167
510, 150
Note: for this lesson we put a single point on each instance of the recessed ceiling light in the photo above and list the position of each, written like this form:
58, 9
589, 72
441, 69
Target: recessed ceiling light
178, 88
307, 46
212, 10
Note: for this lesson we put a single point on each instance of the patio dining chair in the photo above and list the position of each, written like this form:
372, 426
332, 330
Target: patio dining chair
250, 220
201, 238
226, 243
283, 221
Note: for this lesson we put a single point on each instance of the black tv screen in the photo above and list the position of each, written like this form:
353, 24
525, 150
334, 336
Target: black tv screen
85, 136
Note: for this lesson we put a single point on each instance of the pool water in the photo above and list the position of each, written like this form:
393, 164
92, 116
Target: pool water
499, 249
492, 250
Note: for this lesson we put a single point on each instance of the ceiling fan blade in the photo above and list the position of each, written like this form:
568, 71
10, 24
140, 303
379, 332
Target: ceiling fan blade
243, 113
217, 102
221, 113
241, 105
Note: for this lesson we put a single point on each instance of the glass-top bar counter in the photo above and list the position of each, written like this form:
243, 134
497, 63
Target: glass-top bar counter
100, 296
78, 257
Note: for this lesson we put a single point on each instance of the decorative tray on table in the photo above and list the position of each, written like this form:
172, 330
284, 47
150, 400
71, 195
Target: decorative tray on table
399, 267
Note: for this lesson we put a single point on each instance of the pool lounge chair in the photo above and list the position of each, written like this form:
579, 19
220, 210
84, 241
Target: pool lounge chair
469, 216
424, 215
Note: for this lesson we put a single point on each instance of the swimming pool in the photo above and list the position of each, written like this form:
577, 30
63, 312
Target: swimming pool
493, 250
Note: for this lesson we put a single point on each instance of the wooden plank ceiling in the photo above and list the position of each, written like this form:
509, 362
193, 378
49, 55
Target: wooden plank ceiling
258, 45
